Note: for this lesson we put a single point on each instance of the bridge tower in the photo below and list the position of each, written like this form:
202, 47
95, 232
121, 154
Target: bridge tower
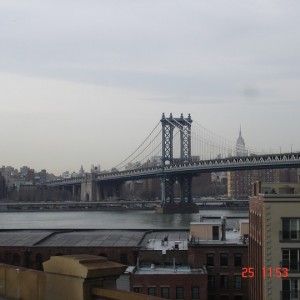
168, 126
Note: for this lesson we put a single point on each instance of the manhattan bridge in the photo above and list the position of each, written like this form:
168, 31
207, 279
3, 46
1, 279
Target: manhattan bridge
175, 152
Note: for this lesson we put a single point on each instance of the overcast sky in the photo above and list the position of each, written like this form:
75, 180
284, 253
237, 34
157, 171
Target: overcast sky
84, 81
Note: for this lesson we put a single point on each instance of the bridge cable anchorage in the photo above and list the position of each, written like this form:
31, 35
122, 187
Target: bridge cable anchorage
121, 163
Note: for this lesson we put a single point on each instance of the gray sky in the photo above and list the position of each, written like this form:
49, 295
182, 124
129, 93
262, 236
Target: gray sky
85, 81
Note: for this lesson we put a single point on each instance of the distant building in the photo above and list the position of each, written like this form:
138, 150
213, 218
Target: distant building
81, 171
2, 187
240, 148
43, 176
24, 170
30, 175
274, 242
95, 169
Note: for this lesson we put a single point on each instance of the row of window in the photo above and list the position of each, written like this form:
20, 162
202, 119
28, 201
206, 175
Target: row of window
210, 259
164, 292
224, 281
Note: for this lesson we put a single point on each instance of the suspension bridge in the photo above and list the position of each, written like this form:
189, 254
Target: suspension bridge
174, 152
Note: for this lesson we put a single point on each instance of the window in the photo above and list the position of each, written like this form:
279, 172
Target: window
224, 297
238, 282
179, 292
137, 289
211, 282
211, 297
291, 229
238, 297
238, 259
224, 281
195, 292
215, 232
123, 258
210, 259
224, 259
165, 292
151, 291
290, 289
291, 259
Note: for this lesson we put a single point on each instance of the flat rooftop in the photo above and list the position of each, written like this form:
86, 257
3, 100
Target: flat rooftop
71, 238
166, 240
233, 237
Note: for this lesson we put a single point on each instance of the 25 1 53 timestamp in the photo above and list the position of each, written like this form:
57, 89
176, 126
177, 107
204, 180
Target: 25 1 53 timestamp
266, 272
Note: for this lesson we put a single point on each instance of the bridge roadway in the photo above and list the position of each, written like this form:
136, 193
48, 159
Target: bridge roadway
254, 162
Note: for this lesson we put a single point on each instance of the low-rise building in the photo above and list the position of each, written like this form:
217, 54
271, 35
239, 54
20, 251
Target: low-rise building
223, 253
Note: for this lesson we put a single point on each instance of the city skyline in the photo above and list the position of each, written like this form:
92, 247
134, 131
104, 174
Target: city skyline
89, 87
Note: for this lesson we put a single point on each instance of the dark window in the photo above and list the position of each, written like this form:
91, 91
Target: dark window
238, 297
291, 259
151, 291
224, 259
165, 292
179, 292
290, 289
238, 282
210, 259
16, 260
224, 297
137, 289
286, 228
238, 259
215, 230
291, 229
39, 261
123, 258
211, 297
224, 281
211, 282
195, 292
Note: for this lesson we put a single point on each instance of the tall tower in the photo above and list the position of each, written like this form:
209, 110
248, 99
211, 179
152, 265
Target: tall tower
240, 148
239, 182
168, 126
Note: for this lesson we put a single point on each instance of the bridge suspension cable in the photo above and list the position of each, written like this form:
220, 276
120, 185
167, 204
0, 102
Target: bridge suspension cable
208, 145
150, 144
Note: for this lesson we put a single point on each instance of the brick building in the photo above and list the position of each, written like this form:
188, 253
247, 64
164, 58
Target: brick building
224, 253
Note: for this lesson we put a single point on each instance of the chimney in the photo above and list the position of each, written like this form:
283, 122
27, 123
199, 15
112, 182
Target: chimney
223, 228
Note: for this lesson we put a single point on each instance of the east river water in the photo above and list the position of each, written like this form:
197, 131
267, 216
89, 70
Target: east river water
129, 219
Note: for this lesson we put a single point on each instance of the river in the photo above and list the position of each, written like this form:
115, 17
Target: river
129, 219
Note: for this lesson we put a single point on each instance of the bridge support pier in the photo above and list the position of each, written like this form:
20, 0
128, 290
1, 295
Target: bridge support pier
186, 189
89, 188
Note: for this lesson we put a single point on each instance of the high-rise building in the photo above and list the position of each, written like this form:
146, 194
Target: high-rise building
239, 182
274, 242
